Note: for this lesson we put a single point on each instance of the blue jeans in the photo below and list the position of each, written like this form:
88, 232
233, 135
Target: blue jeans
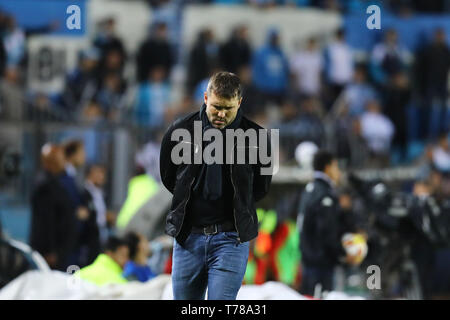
215, 261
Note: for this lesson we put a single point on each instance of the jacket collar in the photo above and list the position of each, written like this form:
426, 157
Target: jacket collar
324, 177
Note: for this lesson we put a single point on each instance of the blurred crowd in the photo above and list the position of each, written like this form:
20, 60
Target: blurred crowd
321, 93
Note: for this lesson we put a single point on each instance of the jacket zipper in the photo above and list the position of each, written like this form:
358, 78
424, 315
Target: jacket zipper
234, 195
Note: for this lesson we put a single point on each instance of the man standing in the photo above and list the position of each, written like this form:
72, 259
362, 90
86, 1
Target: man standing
213, 216
318, 222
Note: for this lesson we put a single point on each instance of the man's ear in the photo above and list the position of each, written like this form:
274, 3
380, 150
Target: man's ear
205, 97
240, 101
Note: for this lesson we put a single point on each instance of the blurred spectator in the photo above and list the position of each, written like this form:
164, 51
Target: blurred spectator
92, 112
170, 12
81, 84
112, 62
111, 96
378, 131
236, 51
203, 58
155, 52
298, 126
338, 66
3, 58
357, 93
137, 267
108, 266
93, 191
41, 108
388, 58
53, 222
148, 157
14, 41
11, 95
252, 101
270, 69
306, 67
441, 153
433, 66
110, 47
152, 100
75, 156
397, 100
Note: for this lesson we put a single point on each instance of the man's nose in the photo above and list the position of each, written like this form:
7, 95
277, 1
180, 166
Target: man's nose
221, 114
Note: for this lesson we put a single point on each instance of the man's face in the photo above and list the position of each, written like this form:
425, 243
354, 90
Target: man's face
221, 112
79, 158
120, 256
333, 171
97, 176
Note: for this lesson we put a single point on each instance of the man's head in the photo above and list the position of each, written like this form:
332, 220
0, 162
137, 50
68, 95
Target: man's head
52, 158
391, 37
117, 249
160, 31
273, 37
74, 152
373, 106
96, 174
325, 162
138, 246
223, 98
439, 36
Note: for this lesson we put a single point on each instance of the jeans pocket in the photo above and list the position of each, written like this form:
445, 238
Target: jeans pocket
231, 235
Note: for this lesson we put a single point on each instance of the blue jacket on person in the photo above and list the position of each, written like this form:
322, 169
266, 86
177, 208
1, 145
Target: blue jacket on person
270, 67
134, 271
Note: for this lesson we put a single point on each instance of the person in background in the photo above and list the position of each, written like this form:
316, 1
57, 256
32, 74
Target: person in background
388, 58
93, 192
320, 226
270, 69
203, 58
339, 66
81, 84
236, 52
378, 131
153, 99
441, 153
432, 69
53, 220
306, 67
75, 159
155, 52
357, 93
108, 266
14, 41
112, 51
137, 267
397, 99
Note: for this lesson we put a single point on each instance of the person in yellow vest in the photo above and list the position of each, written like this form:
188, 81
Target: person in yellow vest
108, 266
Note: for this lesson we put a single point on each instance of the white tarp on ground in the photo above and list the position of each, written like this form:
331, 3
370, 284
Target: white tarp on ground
56, 285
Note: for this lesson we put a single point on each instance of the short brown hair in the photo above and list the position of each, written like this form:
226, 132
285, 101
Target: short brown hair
226, 85
71, 147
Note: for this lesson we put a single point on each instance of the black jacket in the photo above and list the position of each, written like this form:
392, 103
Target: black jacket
53, 221
249, 185
320, 241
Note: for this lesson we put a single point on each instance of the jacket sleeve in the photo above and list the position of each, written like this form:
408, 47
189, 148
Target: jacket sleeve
328, 227
261, 182
43, 229
167, 168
